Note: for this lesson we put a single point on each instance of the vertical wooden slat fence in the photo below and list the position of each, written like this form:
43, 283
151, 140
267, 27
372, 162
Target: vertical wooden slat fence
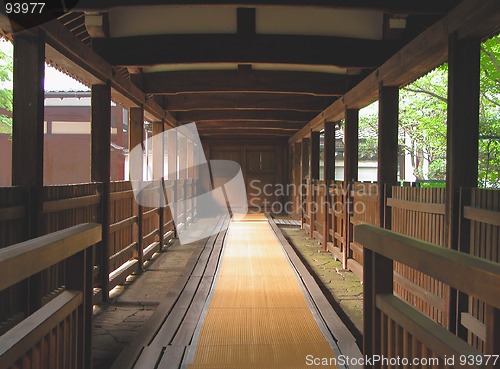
480, 236
320, 211
419, 213
337, 244
58, 334
66, 206
13, 229
397, 328
364, 198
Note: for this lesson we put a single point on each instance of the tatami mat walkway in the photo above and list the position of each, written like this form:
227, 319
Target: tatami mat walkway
258, 316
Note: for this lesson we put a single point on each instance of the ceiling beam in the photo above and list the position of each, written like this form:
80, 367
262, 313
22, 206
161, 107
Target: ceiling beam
245, 101
252, 49
66, 51
245, 132
470, 19
244, 115
317, 84
207, 125
389, 6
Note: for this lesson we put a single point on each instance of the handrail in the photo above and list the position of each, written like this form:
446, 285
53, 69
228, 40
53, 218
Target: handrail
20, 261
430, 259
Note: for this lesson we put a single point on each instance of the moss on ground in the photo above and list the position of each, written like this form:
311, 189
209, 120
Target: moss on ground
342, 288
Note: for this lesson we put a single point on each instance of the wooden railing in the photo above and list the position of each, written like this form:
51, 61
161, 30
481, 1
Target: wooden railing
419, 213
135, 232
480, 237
58, 334
393, 328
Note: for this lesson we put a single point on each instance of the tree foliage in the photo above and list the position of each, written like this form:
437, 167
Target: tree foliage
5, 92
423, 114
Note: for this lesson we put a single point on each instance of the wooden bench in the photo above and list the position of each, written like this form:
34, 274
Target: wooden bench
167, 335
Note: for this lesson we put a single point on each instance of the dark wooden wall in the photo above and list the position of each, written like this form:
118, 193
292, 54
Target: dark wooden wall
264, 167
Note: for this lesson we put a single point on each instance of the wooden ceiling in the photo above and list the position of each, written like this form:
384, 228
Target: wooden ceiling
239, 69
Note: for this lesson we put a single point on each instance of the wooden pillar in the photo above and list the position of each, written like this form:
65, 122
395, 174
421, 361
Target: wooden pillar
158, 175
297, 191
329, 156
329, 175
351, 159
135, 137
100, 171
182, 153
304, 159
351, 145
27, 137
462, 146
387, 171
28, 121
314, 156
173, 172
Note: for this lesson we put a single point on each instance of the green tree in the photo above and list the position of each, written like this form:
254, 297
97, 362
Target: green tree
5, 92
423, 114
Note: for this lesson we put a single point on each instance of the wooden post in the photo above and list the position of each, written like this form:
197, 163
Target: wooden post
462, 139
135, 137
314, 156
329, 145
182, 153
79, 277
100, 171
27, 136
351, 159
297, 191
158, 165
304, 160
378, 279
387, 171
329, 176
173, 173
351, 145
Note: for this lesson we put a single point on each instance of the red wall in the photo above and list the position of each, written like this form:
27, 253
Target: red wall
66, 160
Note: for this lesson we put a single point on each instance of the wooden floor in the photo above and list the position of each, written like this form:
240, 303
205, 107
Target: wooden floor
246, 302
258, 316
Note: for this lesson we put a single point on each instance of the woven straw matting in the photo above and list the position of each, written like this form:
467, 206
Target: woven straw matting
258, 317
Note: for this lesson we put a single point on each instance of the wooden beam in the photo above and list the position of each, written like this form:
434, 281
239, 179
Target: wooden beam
209, 125
314, 156
100, 171
245, 101
389, 6
425, 52
252, 49
246, 21
244, 115
351, 156
462, 142
329, 153
243, 131
304, 161
311, 83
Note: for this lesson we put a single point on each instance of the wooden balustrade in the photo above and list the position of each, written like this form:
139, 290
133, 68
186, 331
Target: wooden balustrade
393, 327
58, 334
68, 205
480, 237
419, 213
